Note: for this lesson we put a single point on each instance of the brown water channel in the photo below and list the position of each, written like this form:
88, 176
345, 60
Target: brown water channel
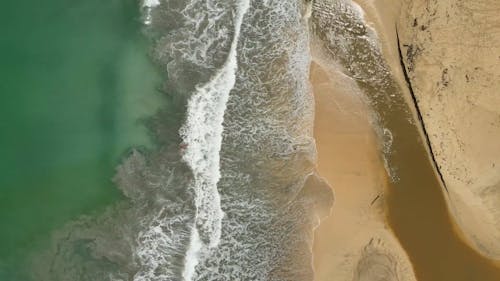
417, 210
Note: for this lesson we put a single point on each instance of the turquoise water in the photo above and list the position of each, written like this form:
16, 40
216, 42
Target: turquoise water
76, 85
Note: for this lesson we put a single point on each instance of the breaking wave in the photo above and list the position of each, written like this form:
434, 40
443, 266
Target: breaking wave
202, 135
230, 193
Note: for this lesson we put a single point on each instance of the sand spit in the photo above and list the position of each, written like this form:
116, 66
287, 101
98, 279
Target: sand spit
451, 50
354, 243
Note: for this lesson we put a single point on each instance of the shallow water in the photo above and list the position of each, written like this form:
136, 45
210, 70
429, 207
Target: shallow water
76, 82
417, 210
228, 193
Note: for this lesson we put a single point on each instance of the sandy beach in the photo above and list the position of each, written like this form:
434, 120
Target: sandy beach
415, 203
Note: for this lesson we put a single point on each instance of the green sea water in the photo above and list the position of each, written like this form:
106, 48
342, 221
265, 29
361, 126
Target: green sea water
76, 85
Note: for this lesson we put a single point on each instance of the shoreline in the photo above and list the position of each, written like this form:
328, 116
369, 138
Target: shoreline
417, 207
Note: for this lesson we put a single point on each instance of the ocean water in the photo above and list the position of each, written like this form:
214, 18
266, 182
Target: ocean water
228, 190
77, 86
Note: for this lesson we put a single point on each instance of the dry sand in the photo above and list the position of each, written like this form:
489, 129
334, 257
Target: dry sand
354, 243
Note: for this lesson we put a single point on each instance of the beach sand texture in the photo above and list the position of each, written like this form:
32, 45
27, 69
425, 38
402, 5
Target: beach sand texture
451, 50
416, 199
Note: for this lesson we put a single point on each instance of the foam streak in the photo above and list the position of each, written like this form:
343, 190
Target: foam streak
202, 133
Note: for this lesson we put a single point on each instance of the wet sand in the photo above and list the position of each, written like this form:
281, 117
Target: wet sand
349, 159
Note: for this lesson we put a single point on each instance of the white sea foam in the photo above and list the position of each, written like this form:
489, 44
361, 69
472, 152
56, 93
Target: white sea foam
155, 244
191, 259
149, 5
202, 133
